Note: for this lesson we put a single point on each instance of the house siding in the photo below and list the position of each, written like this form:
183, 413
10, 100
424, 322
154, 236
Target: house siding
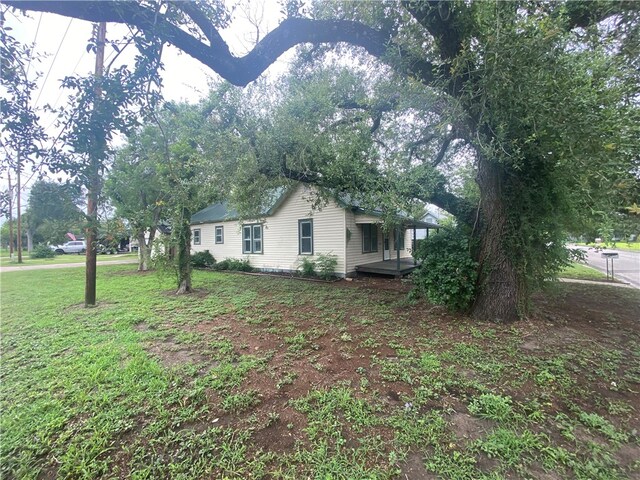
354, 244
280, 235
408, 240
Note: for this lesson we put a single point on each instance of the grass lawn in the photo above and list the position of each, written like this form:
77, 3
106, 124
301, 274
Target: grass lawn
582, 272
58, 259
261, 377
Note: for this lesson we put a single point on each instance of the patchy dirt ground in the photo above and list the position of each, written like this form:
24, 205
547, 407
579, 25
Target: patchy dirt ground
577, 356
267, 377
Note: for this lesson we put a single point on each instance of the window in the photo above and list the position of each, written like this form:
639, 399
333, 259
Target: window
369, 238
220, 234
196, 236
252, 238
305, 237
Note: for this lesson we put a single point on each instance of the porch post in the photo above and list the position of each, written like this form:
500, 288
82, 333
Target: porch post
398, 249
415, 246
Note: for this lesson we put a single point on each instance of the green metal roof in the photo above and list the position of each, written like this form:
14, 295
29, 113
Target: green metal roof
221, 212
218, 212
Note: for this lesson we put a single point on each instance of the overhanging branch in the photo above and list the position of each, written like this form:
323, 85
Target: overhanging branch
204, 24
237, 70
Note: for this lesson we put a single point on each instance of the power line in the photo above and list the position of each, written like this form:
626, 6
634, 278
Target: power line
33, 46
52, 63
84, 52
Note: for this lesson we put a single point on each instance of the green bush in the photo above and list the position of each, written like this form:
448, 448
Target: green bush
234, 264
447, 273
42, 251
326, 265
202, 260
308, 267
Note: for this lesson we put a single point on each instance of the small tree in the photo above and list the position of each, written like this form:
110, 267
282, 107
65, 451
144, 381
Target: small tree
188, 178
53, 210
188, 152
109, 102
21, 136
135, 189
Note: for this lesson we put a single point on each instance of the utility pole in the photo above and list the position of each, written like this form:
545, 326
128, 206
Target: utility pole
18, 203
10, 215
93, 177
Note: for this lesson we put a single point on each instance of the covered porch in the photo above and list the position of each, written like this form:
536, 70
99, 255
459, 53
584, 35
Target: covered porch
393, 262
389, 267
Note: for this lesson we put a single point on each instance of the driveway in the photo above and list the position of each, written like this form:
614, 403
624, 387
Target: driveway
626, 267
64, 265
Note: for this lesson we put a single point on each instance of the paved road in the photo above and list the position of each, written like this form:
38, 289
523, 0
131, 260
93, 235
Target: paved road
65, 265
626, 267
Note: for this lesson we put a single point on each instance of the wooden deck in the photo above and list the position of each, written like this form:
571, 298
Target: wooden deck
388, 267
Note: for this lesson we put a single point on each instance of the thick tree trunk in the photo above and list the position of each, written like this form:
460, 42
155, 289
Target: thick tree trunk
499, 295
183, 234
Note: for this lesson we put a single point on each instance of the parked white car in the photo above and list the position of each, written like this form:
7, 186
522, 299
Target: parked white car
76, 246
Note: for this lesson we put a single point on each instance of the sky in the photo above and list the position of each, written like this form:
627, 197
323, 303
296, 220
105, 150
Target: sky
60, 51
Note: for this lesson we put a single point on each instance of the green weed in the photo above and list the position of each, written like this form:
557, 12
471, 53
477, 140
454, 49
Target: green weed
492, 407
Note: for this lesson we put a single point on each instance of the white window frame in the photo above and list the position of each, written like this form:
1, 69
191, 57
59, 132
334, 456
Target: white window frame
219, 233
300, 237
250, 239
197, 236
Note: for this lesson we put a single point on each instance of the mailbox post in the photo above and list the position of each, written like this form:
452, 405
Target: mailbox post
609, 256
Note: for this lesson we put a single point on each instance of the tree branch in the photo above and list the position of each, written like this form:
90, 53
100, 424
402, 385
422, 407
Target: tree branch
422, 141
439, 18
462, 209
443, 151
204, 24
237, 70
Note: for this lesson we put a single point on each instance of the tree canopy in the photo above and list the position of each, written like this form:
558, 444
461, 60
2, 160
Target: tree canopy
543, 95
53, 210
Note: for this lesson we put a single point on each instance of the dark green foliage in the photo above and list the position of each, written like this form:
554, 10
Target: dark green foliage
323, 266
447, 274
234, 265
202, 259
308, 267
326, 265
53, 210
42, 251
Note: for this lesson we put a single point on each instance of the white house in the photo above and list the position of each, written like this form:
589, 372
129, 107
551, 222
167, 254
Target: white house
292, 229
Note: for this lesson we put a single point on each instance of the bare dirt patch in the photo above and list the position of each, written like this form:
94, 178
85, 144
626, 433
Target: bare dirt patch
469, 428
413, 468
172, 354
327, 354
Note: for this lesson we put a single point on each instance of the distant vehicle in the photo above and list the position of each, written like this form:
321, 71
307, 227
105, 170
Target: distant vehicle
76, 246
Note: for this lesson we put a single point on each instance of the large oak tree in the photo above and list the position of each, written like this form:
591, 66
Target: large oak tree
508, 68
